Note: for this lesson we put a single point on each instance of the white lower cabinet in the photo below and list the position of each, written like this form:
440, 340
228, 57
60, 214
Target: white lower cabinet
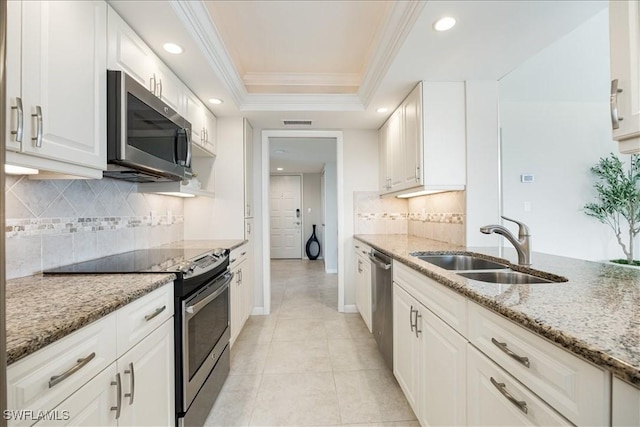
85, 379
363, 283
625, 404
240, 289
429, 362
147, 375
495, 398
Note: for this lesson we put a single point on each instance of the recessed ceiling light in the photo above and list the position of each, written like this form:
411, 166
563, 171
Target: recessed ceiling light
279, 169
382, 110
445, 23
216, 101
172, 48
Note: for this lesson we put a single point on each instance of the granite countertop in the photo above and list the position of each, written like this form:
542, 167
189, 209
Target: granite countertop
42, 309
595, 314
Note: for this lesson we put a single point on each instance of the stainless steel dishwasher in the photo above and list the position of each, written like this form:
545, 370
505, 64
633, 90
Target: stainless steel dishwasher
382, 304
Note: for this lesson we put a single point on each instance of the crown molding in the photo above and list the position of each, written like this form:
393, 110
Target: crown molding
196, 19
302, 79
401, 19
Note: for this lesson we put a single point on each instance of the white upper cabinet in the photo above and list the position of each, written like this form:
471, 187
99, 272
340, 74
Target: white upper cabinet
129, 53
248, 169
624, 28
422, 145
203, 123
56, 86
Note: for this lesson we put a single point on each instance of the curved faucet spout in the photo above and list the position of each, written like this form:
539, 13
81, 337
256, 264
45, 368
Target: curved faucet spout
522, 243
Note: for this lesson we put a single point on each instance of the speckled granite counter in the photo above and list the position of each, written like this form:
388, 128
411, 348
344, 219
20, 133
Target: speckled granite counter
43, 309
595, 315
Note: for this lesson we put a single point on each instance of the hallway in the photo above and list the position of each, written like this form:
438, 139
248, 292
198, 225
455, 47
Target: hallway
307, 364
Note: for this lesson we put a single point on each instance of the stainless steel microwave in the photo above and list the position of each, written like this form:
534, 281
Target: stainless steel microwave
147, 141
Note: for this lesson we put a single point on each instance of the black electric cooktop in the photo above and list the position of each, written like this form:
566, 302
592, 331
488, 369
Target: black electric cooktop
140, 261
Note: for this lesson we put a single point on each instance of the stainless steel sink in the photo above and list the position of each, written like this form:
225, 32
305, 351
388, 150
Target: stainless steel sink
460, 262
505, 277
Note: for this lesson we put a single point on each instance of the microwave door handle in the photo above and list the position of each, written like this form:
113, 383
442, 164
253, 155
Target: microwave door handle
187, 137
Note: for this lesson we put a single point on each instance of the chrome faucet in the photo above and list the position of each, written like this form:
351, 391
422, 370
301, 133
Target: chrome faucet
522, 243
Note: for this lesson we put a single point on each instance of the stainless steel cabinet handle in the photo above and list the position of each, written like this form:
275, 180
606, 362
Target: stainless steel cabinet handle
160, 85
359, 266
20, 127
503, 346
613, 101
232, 261
118, 384
57, 379
155, 313
411, 319
152, 84
132, 383
38, 116
417, 173
502, 388
418, 331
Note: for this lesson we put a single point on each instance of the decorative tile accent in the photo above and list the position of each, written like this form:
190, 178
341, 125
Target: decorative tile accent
77, 220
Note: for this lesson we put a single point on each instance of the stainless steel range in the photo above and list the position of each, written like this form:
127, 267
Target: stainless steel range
201, 318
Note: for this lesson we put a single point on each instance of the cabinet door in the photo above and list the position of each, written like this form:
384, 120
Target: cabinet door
412, 135
443, 401
169, 88
147, 375
194, 113
14, 135
488, 388
395, 151
366, 291
236, 298
624, 28
210, 124
64, 69
383, 174
91, 405
625, 404
406, 346
248, 168
129, 53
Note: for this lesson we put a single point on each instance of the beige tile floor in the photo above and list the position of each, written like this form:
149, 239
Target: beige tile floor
307, 364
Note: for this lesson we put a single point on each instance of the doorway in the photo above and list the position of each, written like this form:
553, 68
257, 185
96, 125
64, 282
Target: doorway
285, 195
333, 230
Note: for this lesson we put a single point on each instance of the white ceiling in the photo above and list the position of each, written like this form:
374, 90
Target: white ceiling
491, 39
302, 155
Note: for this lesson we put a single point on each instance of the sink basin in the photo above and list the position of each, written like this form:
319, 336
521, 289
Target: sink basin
505, 277
460, 262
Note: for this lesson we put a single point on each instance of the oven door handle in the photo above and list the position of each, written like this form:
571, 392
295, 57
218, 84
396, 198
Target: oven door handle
192, 310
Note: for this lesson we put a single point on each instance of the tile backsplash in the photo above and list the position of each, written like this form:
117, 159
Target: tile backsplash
56, 222
436, 216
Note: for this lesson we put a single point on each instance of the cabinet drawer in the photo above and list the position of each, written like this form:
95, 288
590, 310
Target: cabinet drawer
361, 248
141, 317
489, 406
30, 384
575, 388
238, 255
448, 305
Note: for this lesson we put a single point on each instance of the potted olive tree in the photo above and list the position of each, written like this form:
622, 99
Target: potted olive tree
618, 203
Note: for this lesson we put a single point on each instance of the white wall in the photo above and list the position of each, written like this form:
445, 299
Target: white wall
331, 218
223, 216
483, 167
360, 173
311, 201
555, 124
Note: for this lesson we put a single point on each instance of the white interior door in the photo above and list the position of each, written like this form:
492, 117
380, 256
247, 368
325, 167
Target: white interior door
286, 216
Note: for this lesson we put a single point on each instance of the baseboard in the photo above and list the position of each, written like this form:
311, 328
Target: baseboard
350, 309
257, 311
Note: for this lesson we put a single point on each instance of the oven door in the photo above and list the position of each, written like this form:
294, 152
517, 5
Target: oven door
205, 332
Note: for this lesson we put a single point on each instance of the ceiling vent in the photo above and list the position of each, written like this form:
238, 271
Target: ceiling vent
297, 122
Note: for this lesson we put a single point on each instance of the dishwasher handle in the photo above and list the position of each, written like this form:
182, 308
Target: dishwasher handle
379, 263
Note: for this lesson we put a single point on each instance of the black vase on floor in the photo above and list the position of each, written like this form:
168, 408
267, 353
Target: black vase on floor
313, 245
